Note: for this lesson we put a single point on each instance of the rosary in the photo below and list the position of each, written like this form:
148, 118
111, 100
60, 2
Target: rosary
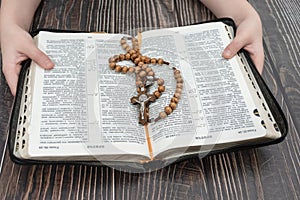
145, 77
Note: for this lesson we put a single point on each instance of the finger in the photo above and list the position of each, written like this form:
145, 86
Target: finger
234, 46
258, 60
39, 57
11, 73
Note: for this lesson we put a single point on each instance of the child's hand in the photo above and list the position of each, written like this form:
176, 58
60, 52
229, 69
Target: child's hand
17, 46
249, 37
249, 28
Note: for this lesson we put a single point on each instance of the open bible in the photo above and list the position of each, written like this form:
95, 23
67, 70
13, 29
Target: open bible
80, 112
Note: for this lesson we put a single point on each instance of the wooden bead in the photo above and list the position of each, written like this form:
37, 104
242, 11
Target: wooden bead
147, 60
137, 60
132, 51
118, 68
153, 60
177, 95
127, 56
168, 110
131, 70
163, 115
178, 75
122, 57
111, 59
161, 88
127, 48
173, 105
176, 71
139, 83
112, 66
160, 81
160, 61
124, 46
133, 56
142, 73
144, 66
178, 90
140, 64
143, 58
179, 80
122, 41
157, 94
150, 73
148, 69
124, 69
175, 100
137, 70
179, 85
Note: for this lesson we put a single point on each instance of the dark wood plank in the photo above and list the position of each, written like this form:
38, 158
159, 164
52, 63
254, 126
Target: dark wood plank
264, 173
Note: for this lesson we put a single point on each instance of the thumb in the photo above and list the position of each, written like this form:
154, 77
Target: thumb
233, 47
39, 57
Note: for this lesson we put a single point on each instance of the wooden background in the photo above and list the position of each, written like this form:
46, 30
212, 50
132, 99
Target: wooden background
270, 172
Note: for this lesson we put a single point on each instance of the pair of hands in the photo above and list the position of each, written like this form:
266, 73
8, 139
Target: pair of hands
17, 46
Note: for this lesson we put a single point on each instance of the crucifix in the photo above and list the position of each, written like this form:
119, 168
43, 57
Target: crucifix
143, 99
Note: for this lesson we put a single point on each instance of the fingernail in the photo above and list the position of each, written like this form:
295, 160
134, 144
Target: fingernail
49, 64
227, 53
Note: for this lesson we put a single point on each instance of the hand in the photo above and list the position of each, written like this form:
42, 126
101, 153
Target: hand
17, 46
249, 37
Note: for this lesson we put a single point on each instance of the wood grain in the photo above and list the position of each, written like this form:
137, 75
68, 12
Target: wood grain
270, 172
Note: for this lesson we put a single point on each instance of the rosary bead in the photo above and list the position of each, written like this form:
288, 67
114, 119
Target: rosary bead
127, 49
122, 57
176, 71
150, 73
112, 66
148, 69
139, 83
178, 75
142, 74
122, 41
160, 61
173, 105
137, 60
133, 56
132, 51
177, 95
118, 68
127, 56
137, 69
131, 70
111, 59
153, 60
143, 58
124, 69
178, 90
144, 66
168, 110
160, 81
163, 115
148, 60
125, 45
179, 80
157, 94
161, 88
140, 64
179, 85
175, 100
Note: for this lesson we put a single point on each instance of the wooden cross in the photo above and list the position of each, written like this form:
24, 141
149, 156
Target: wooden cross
143, 99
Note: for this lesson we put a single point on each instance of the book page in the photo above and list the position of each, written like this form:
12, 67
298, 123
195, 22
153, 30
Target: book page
219, 106
81, 107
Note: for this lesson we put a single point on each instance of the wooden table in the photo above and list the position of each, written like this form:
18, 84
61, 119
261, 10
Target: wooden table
270, 172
